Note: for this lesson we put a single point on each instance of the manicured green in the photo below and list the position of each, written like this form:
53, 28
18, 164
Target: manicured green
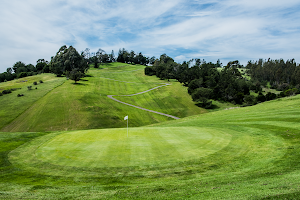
242, 153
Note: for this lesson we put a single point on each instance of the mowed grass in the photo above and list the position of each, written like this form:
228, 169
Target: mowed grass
143, 146
255, 155
86, 106
13, 106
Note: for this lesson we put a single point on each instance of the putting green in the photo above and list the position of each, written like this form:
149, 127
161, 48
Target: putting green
143, 146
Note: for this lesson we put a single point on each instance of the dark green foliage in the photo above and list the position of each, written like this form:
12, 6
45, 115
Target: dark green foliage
261, 97
270, 96
67, 59
42, 65
41, 81
202, 95
195, 84
75, 75
125, 57
20, 95
290, 92
22, 75
34, 83
250, 100
29, 87
96, 62
6, 91
277, 72
149, 71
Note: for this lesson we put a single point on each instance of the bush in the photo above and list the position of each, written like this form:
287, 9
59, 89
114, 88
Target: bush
34, 83
22, 74
261, 97
291, 92
270, 96
41, 81
29, 87
149, 71
6, 91
250, 100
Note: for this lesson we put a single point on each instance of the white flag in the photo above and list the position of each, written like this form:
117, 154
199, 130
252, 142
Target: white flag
126, 117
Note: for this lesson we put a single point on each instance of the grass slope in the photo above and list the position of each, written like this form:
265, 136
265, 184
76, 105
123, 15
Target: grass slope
243, 153
86, 105
13, 106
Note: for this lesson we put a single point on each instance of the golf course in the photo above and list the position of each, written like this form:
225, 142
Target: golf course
63, 140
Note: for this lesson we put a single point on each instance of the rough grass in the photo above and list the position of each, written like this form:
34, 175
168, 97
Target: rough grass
259, 158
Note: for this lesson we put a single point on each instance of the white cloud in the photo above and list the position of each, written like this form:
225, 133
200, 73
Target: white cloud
209, 29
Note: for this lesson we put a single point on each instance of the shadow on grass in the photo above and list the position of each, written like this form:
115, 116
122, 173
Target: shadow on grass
212, 107
82, 84
88, 75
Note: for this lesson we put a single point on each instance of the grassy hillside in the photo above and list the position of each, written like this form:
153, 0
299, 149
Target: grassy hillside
86, 105
242, 153
13, 106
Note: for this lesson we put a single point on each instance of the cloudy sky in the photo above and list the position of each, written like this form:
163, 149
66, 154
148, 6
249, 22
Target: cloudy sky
208, 29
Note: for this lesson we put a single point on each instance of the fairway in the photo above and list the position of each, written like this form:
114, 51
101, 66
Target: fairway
144, 146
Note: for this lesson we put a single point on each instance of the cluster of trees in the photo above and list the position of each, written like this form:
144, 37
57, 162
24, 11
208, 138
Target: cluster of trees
68, 61
99, 57
20, 70
281, 75
206, 81
131, 57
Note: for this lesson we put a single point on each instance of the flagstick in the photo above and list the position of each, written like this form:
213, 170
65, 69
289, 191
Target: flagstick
127, 127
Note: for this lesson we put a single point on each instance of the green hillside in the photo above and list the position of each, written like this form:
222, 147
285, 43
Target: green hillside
242, 153
86, 106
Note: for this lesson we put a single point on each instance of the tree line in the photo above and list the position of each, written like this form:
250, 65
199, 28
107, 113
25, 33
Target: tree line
212, 81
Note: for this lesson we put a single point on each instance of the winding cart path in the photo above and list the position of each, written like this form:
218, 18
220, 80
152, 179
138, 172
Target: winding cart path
112, 97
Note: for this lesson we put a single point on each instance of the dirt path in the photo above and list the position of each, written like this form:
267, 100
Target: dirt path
130, 95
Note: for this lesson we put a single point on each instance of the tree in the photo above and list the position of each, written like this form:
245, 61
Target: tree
40, 64
202, 95
112, 56
19, 67
75, 75
67, 59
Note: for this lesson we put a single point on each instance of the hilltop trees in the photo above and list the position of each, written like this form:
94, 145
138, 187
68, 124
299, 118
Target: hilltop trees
133, 58
66, 60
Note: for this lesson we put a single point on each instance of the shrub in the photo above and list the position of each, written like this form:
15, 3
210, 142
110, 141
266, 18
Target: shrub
261, 97
250, 100
22, 74
290, 92
6, 91
41, 81
270, 96
34, 83
29, 87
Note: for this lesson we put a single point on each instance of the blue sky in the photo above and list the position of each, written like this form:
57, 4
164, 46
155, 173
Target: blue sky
207, 29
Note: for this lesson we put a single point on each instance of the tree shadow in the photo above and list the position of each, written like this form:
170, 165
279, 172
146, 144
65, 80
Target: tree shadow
88, 75
82, 84
212, 107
